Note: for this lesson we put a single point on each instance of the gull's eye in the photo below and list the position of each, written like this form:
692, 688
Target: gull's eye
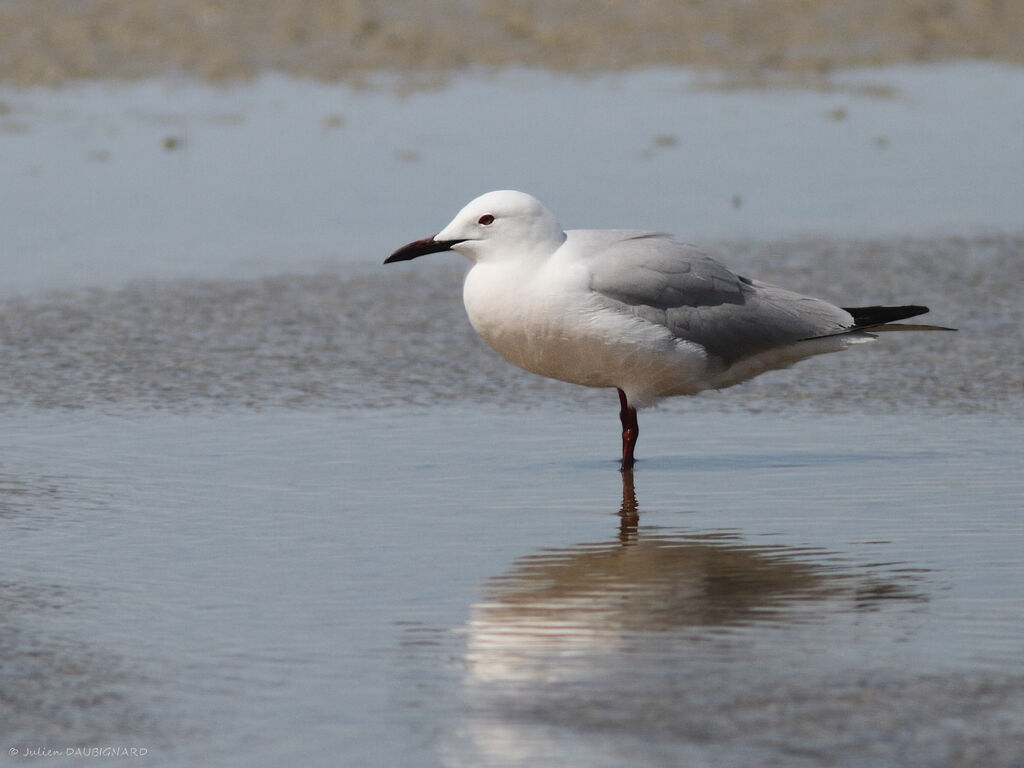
485, 219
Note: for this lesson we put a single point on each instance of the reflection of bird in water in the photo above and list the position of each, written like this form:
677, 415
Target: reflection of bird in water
595, 598
583, 655
587, 596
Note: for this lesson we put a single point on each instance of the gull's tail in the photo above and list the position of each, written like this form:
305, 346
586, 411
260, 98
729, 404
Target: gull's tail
871, 320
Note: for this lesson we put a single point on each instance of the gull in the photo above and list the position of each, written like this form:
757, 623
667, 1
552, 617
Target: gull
638, 311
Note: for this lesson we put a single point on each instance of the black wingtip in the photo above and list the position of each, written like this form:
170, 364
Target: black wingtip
867, 321
866, 317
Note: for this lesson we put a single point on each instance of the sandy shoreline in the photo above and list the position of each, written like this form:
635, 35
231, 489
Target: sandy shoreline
47, 42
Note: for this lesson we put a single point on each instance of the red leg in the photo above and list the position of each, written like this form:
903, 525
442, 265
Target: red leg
630, 430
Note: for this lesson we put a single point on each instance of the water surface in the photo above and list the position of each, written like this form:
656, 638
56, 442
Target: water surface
446, 586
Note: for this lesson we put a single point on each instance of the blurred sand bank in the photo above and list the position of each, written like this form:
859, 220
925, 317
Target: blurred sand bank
52, 41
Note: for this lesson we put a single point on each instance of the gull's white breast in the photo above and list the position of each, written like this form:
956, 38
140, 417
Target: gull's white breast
542, 316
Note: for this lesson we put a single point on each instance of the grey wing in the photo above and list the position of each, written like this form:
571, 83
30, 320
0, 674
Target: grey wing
700, 300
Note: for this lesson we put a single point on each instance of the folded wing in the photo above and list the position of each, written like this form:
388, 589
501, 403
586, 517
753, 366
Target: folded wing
699, 300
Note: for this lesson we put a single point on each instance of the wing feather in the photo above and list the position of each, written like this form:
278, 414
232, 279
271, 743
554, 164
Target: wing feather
698, 299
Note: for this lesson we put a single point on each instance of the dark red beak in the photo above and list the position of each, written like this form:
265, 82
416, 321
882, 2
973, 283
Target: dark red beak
421, 248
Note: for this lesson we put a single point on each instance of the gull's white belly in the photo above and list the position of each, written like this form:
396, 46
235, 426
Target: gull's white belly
546, 320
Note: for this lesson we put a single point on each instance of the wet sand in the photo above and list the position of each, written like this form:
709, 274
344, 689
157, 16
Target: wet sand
50, 41
381, 338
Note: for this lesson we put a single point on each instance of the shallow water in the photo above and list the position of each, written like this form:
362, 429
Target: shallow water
104, 183
396, 586
264, 501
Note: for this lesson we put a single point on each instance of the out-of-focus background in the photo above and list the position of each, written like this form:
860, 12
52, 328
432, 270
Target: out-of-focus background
264, 501
52, 41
